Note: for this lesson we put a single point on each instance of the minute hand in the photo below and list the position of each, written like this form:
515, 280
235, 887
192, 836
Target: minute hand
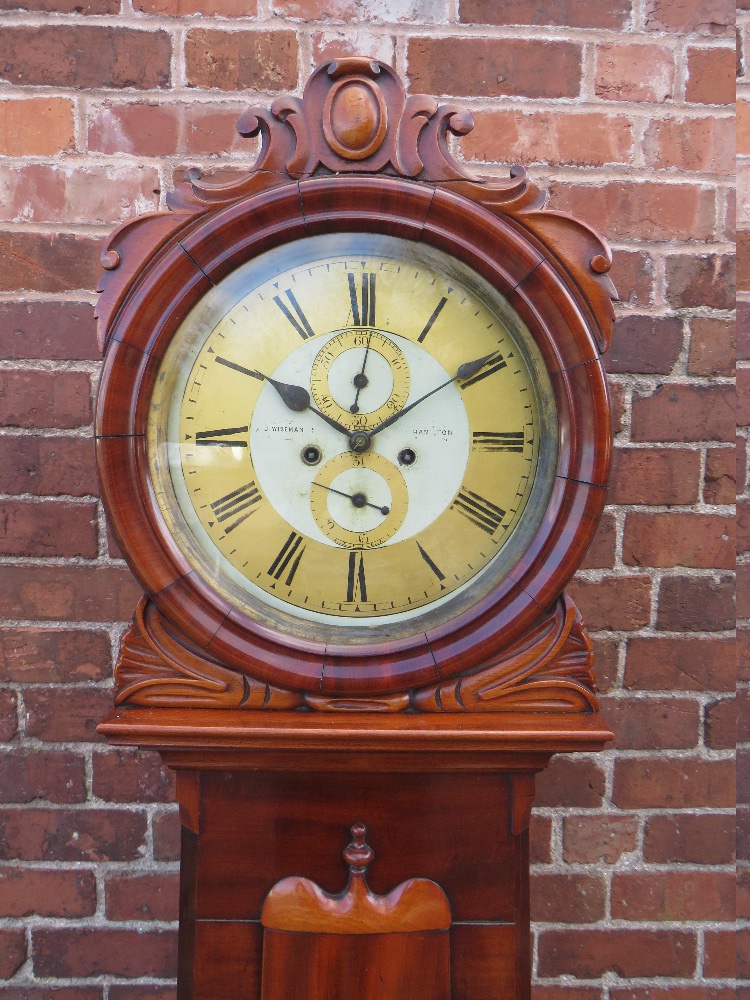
467, 370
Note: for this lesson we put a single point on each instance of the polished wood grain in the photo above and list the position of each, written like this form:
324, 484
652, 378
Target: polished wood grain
158, 268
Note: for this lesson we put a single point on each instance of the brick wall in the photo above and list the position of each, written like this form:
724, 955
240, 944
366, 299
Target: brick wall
623, 108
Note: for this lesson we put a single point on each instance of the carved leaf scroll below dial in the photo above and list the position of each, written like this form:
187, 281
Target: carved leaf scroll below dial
547, 670
156, 669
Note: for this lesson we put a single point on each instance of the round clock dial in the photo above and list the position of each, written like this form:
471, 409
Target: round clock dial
352, 431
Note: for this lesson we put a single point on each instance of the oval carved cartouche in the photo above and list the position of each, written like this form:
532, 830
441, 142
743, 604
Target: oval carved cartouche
354, 120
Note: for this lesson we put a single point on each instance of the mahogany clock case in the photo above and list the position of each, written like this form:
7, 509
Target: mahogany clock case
206, 248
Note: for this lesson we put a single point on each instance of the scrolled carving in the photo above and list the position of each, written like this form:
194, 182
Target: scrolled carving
156, 669
548, 670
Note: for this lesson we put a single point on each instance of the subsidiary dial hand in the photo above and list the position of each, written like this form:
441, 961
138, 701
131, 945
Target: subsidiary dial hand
357, 499
296, 397
360, 380
467, 370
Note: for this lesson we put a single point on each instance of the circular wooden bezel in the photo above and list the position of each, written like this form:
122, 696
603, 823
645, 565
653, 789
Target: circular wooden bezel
535, 284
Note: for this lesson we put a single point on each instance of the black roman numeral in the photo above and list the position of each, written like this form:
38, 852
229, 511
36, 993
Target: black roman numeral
234, 504
222, 436
291, 553
356, 588
435, 569
498, 441
363, 311
496, 362
298, 318
432, 319
481, 512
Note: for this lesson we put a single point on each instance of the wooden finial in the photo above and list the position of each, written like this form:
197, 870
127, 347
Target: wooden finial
358, 855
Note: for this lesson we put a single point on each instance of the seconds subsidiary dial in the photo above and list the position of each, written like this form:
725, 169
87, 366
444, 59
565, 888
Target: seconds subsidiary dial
352, 430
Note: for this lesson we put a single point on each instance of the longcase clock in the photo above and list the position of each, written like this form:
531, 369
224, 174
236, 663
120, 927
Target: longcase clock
353, 439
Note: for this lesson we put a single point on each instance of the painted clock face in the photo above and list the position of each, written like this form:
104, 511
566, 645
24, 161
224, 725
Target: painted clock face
352, 432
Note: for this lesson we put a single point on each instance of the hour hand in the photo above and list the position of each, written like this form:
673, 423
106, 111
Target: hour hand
296, 397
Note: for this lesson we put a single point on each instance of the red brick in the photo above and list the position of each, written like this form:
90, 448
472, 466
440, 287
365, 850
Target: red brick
8, 715
241, 60
721, 722
701, 280
639, 210
28, 992
722, 479
146, 992
727, 207
90, 835
565, 13
631, 72
743, 526
540, 836
695, 604
618, 404
683, 783
167, 835
604, 837
703, 17
680, 664
567, 899
710, 76
84, 56
743, 125
712, 347
494, 67
48, 466
131, 954
63, 6
561, 992
646, 345
606, 659
131, 776
700, 144
743, 260
653, 724
36, 126
37, 774
48, 262
743, 894
628, 953
743, 590
700, 540
210, 129
743, 776
743, 396
49, 330
41, 193
68, 593
66, 715
48, 528
613, 603
674, 993
138, 129
675, 412
12, 950
49, 656
743, 653
742, 834
142, 897
338, 41
659, 475
678, 896
720, 960
601, 552
45, 399
590, 139
47, 892
633, 275
570, 782
206, 8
